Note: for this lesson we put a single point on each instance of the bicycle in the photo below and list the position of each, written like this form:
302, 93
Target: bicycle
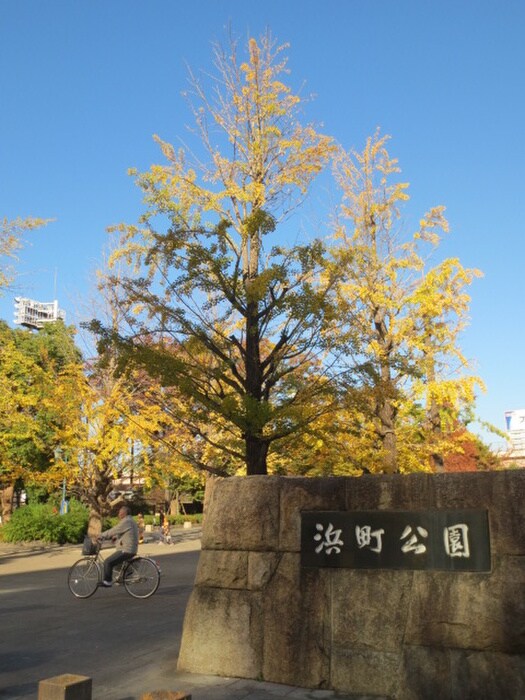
140, 575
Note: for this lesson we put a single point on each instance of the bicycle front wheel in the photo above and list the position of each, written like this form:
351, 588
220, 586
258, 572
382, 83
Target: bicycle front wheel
141, 578
84, 577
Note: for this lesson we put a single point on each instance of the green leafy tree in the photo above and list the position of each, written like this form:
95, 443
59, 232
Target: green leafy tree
32, 367
125, 427
245, 313
103, 438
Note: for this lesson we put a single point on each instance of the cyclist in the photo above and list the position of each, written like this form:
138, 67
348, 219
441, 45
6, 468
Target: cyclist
127, 533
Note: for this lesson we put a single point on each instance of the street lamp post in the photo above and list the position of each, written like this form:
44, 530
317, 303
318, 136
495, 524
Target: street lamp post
64, 505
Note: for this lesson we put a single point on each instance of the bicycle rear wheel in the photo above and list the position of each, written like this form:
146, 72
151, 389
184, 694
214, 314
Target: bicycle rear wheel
141, 578
84, 577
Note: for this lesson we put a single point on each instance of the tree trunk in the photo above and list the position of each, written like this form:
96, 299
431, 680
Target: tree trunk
175, 504
388, 436
94, 523
433, 417
386, 411
96, 496
256, 446
436, 458
6, 496
256, 454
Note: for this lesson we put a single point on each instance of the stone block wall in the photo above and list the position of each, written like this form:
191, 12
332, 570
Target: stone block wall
405, 635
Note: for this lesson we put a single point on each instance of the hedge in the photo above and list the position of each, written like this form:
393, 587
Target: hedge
42, 522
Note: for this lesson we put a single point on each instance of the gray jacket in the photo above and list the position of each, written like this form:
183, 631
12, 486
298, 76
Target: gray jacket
127, 533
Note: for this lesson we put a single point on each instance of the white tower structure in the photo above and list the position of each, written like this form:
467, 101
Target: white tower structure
515, 424
35, 314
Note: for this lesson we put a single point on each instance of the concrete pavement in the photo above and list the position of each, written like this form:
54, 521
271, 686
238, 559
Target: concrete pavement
151, 675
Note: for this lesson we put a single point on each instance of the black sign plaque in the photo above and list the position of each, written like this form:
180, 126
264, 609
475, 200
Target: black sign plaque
456, 540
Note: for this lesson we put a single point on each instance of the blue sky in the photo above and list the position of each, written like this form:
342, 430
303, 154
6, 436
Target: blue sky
86, 83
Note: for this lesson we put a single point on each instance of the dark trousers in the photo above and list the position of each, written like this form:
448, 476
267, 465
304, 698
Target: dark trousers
116, 558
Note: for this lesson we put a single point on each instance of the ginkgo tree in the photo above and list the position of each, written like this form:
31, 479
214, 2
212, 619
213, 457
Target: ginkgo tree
32, 369
103, 438
268, 343
212, 272
401, 320
20, 382
440, 306
119, 424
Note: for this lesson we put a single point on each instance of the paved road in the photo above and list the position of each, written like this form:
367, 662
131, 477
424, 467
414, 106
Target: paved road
127, 646
45, 631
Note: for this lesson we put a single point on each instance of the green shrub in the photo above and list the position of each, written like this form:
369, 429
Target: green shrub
174, 519
43, 522
180, 519
109, 522
75, 522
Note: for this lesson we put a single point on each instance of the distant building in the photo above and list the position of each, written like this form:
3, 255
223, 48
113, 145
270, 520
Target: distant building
35, 314
515, 424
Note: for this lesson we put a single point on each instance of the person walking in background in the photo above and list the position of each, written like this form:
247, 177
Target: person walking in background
166, 531
141, 526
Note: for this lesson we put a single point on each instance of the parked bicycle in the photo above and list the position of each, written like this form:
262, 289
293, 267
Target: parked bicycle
140, 576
